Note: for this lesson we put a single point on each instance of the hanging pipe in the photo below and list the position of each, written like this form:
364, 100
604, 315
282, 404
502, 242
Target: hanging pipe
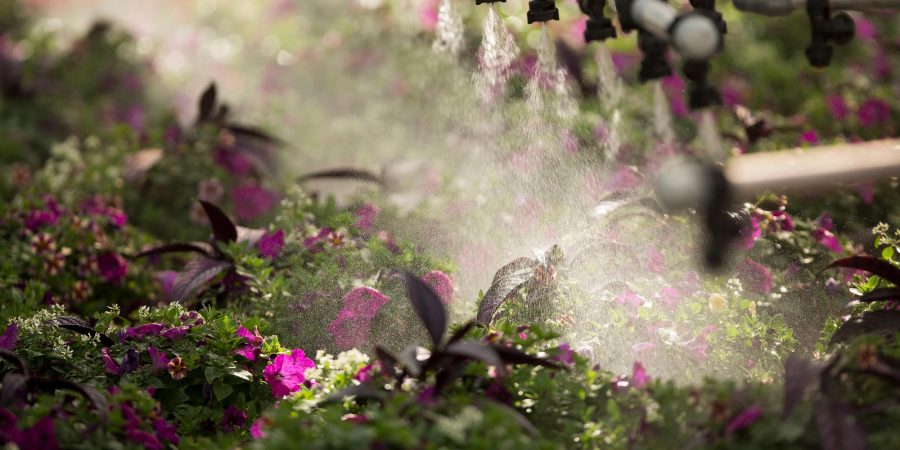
785, 7
714, 190
701, 93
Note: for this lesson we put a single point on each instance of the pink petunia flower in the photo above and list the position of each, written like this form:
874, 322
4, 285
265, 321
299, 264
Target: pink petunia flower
10, 337
827, 239
233, 418
808, 137
873, 112
270, 244
441, 283
252, 201
755, 276
159, 361
837, 107
287, 373
109, 364
166, 431
258, 429
566, 355
365, 217
112, 267
744, 419
639, 377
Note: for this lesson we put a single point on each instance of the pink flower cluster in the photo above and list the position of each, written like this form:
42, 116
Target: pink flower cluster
351, 327
287, 373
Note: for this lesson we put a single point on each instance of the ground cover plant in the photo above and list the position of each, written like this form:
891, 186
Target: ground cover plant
168, 283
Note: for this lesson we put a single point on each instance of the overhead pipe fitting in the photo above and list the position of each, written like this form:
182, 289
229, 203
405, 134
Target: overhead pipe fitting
693, 34
785, 7
715, 191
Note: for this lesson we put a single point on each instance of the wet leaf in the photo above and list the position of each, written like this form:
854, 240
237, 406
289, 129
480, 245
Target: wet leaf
252, 132
506, 280
358, 392
14, 390
837, 426
207, 103
387, 360
477, 351
342, 173
196, 273
97, 399
800, 375
883, 322
223, 228
81, 327
523, 421
428, 307
881, 294
179, 247
15, 360
872, 265
462, 331
511, 355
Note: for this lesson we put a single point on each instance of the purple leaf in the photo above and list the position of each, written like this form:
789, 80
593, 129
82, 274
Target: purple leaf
799, 376
343, 173
838, 429
885, 321
511, 355
428, 307
387, 360
179, 247
207, 102
15, 390
475, 350
505, 282
96, 399
881, 294
872, 265
81, 327
223, 228
196, 273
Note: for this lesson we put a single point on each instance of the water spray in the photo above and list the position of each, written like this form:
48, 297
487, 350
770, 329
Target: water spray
714, 189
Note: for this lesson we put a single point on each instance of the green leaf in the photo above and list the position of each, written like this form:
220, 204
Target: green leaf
887, 253
212, 374
242, 374
222, 391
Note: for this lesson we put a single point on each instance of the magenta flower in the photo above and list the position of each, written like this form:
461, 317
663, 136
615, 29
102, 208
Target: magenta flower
837, 107
668, 296
744, 419
566, 355
364, 302
873, 112
254, 341
112, 267
10, 337
630, 298
441, 283
654, 260
784, 219
175, 333
365, 373
365, 217
810, 137
109, 364
252, 201
270, 244
233, 419
349, 331
827, 239
166, 280
639, 377
159, 361
755, 276
40, 436
141, 331
674, 88
117, 217
258, 429
149, 441
166, 431
826, 222
751, 235
287, 373
237, 164
865, 191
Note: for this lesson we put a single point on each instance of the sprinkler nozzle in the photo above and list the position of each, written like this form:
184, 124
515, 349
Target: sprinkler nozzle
598, 27
827, 31
654, 65
542, 11
481, 2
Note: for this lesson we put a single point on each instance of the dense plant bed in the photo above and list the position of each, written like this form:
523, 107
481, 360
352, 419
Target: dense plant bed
163, 285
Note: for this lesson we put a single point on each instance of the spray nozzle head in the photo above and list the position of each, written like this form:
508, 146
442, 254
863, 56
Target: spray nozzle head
481, 2
542, 11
